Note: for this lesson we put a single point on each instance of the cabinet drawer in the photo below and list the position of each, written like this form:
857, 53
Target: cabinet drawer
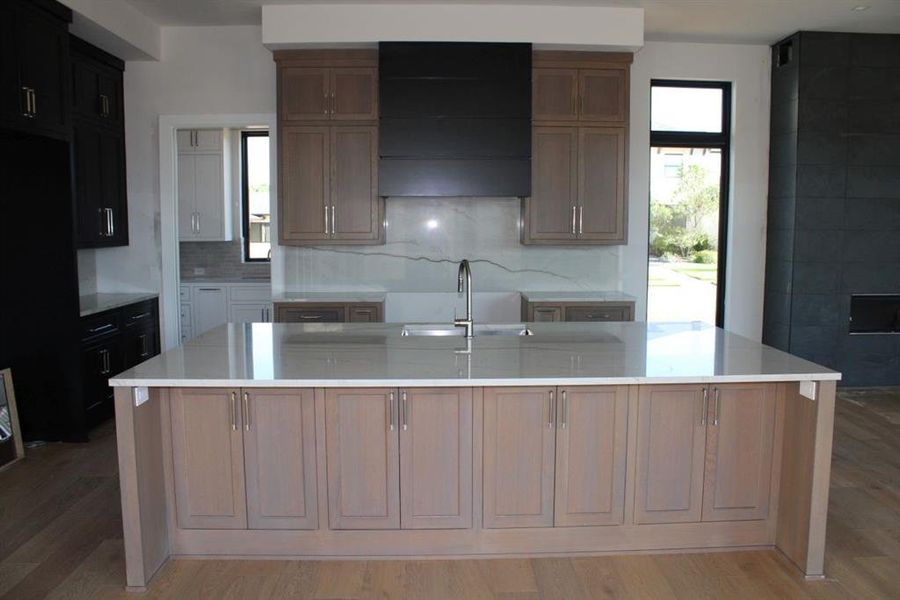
143, 313
250, 293
316, 314
597, 313
184, 293
185, 315
95, 326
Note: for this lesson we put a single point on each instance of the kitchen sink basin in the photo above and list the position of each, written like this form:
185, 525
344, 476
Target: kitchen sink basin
441, 330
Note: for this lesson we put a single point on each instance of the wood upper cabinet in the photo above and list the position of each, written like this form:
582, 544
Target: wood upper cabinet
304, 170
355, 206
436, 458
554, 94
280, 458
519, 439
601, 184
671, 441
603, 95
550, 213
741, 430
328, 93
592, 425
208, 458
589, 95
363, 457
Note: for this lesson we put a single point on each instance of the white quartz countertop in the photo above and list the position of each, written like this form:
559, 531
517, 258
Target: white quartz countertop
376, 355
596, 296
92, 304
329, 297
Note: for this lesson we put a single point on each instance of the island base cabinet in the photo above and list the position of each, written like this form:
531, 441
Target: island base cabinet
363, 458
280, 458
208, 459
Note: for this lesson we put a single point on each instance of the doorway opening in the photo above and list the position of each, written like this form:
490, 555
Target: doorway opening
690, 131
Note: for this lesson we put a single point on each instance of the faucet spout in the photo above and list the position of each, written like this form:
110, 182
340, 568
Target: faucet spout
464, 279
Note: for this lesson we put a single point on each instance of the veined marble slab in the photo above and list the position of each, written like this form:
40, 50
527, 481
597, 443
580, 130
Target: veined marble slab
377, 355
92, 304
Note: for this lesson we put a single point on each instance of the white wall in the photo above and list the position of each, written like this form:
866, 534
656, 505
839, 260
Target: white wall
747, 67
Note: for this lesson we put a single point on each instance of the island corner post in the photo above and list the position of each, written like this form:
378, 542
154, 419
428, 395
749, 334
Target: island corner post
801, 474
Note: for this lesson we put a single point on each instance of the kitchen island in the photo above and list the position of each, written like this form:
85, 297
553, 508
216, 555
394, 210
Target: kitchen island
379, 440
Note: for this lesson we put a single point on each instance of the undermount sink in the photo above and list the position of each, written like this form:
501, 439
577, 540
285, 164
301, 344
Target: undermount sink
441, 330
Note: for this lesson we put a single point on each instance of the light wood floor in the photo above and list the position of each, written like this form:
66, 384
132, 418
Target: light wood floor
60, 528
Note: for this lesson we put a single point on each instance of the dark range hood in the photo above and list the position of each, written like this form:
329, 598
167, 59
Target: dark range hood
455, 119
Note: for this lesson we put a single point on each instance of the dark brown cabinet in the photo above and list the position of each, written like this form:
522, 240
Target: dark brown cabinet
309, 93
98, 147
34, 67
579, 150
329, 312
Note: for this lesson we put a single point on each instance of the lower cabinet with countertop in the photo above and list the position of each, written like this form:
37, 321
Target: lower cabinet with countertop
329, 307
577, 307
208, 304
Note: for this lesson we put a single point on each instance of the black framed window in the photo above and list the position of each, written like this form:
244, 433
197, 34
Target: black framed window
690, 135
255, 198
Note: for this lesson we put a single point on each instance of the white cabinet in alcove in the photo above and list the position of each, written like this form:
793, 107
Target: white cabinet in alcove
204, 189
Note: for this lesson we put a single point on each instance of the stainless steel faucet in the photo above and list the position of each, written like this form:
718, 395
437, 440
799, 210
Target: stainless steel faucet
464, 277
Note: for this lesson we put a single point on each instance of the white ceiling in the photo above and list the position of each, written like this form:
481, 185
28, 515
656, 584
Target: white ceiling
735, 21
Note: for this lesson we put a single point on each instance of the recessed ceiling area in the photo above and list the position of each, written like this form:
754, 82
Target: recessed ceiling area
720, 21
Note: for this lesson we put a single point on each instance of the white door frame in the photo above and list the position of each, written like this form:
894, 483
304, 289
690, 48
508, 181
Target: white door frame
169, 297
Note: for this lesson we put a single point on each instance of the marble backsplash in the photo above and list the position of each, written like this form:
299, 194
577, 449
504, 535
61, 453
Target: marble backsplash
425, 240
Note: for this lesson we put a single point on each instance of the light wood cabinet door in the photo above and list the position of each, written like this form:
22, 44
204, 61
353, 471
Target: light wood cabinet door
304, 93
280, 458
602, 95
592, 426
547, 313
305, 190
355, 210
208, 459
354, 94
554, 94
519, 440
554, 188
436, 458
739, 443
601, 184
671, 440
362, 450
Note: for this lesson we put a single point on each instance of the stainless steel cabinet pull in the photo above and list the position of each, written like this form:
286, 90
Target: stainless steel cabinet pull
233, 418
324, 103
143, 339
311, 317
705, 406
580, 220
104, 105
198, 222
550, 407
326, 220
262, 315
404, 410
143, 315
106, 361
110, 222
565, 411
101, 328
333, 105
391, 411
716, 415
574, 209
333, 222
246, 411
33, 101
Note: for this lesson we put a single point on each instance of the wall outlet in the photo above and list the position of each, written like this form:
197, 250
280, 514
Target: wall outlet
808, 389
141, 395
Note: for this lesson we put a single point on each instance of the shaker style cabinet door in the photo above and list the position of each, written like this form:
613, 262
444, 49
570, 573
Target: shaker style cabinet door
363, 455
208, 458
591, 430
741, 431
671, 441
280, 458
602, 95
305, 190
519, 439
354, 184
304, 93
551, 210
554, 94
436, 458
354, 94
601, 184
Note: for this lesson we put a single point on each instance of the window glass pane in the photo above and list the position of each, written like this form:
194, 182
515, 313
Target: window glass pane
686, 109
257, 190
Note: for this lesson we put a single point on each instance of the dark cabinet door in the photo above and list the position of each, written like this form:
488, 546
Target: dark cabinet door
42, 46
99, 156
112, 187
139, 344
100, 361
89, 218
12, 100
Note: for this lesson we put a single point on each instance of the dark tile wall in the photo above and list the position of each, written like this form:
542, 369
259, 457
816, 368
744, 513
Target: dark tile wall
218, 260
834, 199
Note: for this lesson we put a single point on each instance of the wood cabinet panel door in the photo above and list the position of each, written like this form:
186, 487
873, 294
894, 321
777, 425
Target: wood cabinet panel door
519, 440
554, 94
280, 458
602, 94
304, 170
739, 452
547, 313
354, 183
592, 425
362, 450
208, 459
551, 208
354, 94
671, 440
436, 458
601, 183
304, 93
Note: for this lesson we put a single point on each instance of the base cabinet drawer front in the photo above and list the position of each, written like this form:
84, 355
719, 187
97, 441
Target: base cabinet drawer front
539, 312
436, 458
365, 313
363, 458
210, 307
547, 314
597, 313
208, 458
519, 439
280, 458
740, 438
310, 314
250, 313
671, 441
592, 428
